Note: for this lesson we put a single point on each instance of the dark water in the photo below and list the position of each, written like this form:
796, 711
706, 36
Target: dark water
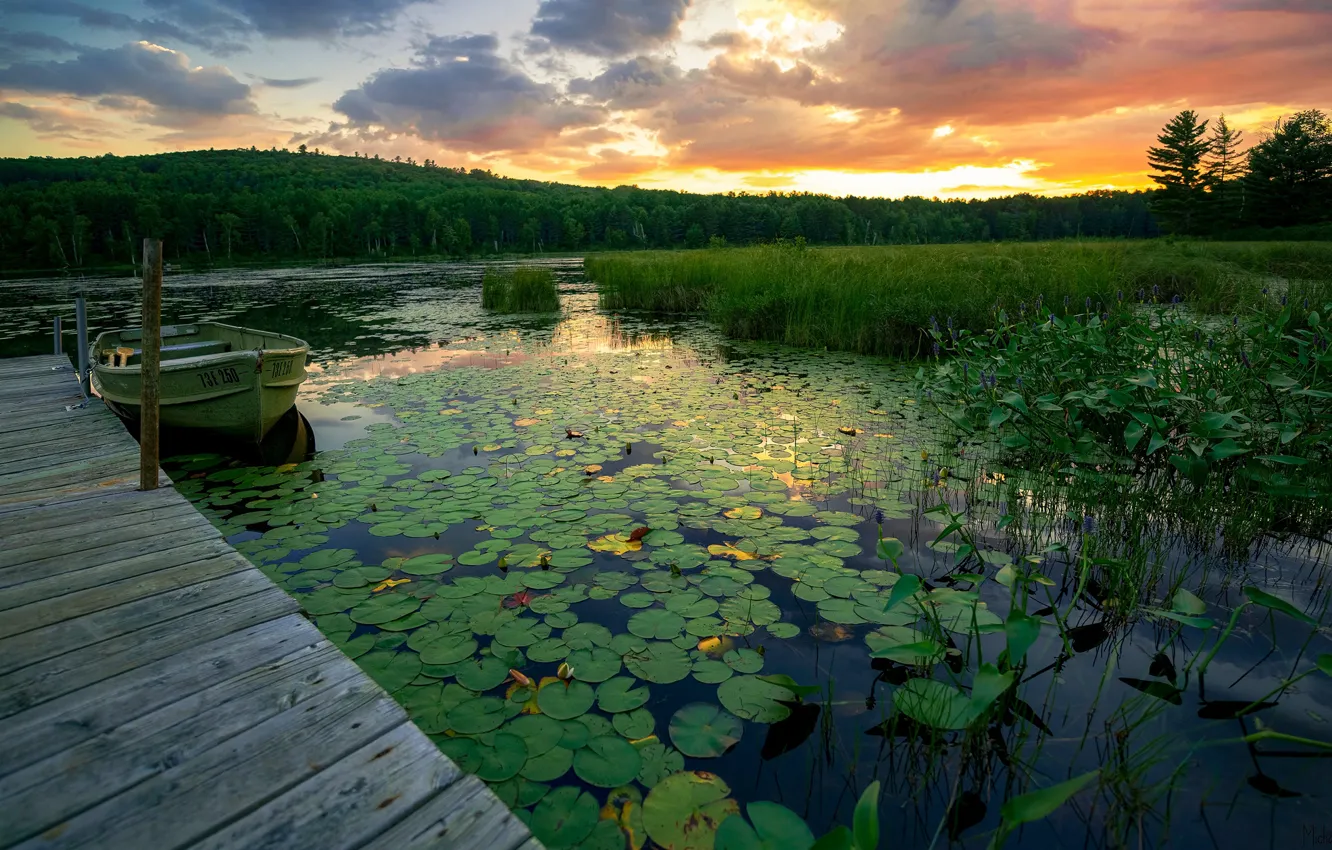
666, 408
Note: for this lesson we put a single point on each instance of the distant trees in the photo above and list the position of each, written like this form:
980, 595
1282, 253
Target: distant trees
258, 205
1225, 167
1290, 171
1180, 172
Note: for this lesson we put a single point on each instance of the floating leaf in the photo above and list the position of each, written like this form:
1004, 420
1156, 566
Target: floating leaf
564, 817
775, 827
607, 762
702, 730
621, 694
1037, 804
1256, 596
565, 700
683, 811
752, 698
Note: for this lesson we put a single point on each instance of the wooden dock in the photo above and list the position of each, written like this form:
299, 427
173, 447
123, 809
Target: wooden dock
157, 691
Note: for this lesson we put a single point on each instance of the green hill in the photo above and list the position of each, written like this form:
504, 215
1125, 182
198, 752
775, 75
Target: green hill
220, 206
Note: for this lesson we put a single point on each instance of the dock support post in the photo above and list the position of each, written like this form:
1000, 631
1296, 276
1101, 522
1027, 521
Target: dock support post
150, 363
57, 335
81, 321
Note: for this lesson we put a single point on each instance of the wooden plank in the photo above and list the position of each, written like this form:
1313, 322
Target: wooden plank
50, 588
47, 792
71, 424
118, 505
45, 730
93, 531
37, 684
217, 786
50, 454
349, 803
20, 504
47, 612
190, 531
465, 815
40, 644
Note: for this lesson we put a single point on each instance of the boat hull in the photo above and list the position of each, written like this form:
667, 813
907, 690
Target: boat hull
237, 395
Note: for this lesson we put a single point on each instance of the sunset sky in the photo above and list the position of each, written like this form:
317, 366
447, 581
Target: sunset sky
951, 98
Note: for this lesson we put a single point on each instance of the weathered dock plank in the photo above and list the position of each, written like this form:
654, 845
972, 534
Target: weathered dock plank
157, 690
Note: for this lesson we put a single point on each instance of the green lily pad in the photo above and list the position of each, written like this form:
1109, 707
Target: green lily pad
519, 792
502, 756
635, 724
621, 694
384, 608
482, 675
751, 698
564, 817
743, 660
659, 761
607, 761
775, 827
594, 665
683, 811
478, 715
392, 670
783, 631
565, 700
662, 663
548, 650
548, 766
702, 730
427, 565
711, 672
656, 623
638, 600
934, 704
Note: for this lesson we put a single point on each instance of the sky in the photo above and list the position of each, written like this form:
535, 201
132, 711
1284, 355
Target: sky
944, 98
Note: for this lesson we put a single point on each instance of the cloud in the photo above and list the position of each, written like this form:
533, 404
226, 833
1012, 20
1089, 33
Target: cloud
299, 82
608, 27
214, 32
291, 18
637, 83
614, 166
460, 92
14, 44
159, 77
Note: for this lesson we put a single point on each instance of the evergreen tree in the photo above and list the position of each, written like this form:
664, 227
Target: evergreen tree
1290, 172
1225, 168
1179, 161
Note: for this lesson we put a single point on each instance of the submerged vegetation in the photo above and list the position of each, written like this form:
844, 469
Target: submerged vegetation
880, 300
519, 290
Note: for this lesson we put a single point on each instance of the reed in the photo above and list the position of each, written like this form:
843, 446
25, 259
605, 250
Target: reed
519, 290
876, 300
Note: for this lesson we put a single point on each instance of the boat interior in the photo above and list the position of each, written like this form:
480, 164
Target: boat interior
123, 348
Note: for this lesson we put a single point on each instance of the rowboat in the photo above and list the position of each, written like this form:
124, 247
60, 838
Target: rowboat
225, 380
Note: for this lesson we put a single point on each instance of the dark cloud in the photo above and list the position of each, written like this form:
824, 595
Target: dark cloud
41, 120
15, 44
290, 18
218, 34
297, 83
460, 92
608, 27
160, 77
635, 84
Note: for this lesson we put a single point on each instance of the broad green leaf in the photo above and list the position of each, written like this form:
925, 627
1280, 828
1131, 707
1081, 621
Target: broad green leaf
1035, 805
1267, 600
865, 821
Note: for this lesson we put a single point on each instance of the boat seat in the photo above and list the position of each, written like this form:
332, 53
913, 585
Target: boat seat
129, 356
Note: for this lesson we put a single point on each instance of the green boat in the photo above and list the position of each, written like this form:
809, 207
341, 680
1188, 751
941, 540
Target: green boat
225, 380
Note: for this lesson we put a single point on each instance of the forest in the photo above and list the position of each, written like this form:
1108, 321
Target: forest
219, 207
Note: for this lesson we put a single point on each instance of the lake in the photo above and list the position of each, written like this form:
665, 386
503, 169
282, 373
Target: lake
676, 522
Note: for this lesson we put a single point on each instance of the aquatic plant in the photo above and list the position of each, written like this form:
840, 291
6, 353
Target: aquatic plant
877, 300
519, 290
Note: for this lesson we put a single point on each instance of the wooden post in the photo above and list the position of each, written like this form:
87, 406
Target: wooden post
150, 363
58, 335
81, 322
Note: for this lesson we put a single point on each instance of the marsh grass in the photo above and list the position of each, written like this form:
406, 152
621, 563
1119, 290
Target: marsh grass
877, 300
519, 290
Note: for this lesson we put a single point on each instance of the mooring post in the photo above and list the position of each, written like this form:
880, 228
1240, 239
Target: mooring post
56, 335
81, 321
150, 363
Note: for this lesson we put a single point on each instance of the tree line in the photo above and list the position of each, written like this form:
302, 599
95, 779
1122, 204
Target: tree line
220, 206
1211, 185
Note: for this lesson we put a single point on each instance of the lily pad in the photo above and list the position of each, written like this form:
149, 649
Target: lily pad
502, 756
564, 817
607, 761
392, 670
565, 700
478, 715
656, 623
703, 730
683, 811
621, 694
635, 724
752, 698
594, 665
548, 766
662, 663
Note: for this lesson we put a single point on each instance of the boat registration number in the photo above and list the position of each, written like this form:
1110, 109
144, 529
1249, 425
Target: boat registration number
219, 377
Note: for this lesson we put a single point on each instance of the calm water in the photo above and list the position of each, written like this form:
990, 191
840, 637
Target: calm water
523, 452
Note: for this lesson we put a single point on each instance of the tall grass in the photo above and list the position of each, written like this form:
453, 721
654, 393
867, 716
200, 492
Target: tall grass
877, 300
519, 290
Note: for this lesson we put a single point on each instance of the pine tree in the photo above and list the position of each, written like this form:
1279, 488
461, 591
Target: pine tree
1290, 172
1182, 177
1225, 168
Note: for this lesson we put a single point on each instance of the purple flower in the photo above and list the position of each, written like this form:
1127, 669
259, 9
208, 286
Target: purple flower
934, 324
936, 478
1019, 381
1284, 299
1176, 300
1120, 295
1087, 304
1244, 357
878, 516
1211, 343
950, 323
1089, 524
936, 349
